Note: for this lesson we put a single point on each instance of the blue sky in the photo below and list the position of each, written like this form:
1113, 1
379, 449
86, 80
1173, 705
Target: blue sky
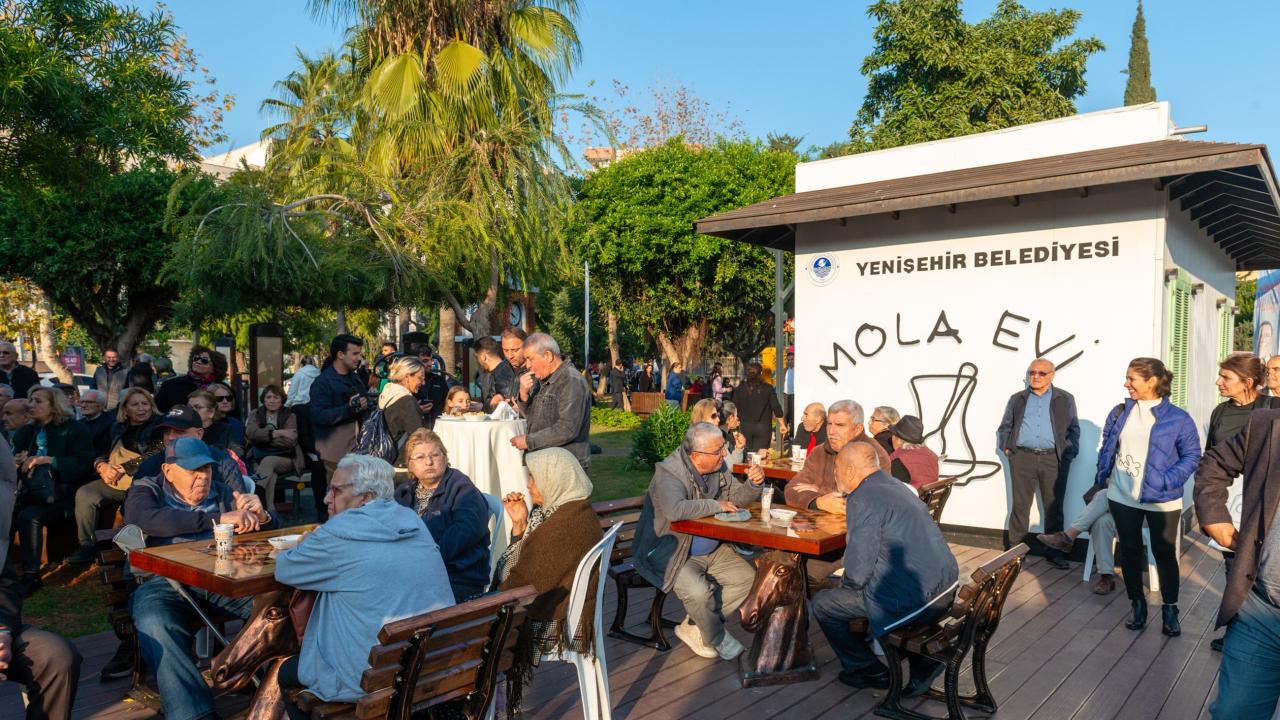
793, 66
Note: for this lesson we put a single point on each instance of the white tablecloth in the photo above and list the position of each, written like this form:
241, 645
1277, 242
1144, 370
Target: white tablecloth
483, 451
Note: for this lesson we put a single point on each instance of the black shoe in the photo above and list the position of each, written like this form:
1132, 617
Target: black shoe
922, 676
1216, 644
84, 555
120, 665
875, 675
1139, 619
29, 584
1058, 561
1171, 626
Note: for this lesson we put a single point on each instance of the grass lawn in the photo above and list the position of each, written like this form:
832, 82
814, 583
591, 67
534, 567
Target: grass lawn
612, 473
70, 611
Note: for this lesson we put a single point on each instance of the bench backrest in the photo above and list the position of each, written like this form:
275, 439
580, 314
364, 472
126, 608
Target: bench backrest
978, 605
112, 565
443, 655
935, 495
625, 511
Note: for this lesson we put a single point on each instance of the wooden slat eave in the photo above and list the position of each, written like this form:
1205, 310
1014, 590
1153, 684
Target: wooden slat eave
1250, 156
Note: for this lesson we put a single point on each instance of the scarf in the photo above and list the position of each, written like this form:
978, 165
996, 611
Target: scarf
210, 504
560, 479
391, 393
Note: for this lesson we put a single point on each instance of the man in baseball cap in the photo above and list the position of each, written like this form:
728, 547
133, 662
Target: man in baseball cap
182, 421
183, 504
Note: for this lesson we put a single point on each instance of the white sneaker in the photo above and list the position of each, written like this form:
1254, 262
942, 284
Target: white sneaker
729, 648
691, 636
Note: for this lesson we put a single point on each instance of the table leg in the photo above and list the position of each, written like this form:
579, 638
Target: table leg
208, 623
777, 611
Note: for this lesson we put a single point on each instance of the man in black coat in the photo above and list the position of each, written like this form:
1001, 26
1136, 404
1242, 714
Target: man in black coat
13, 373
338, 401
618, 384
1040, 434
1251, 600
758, 407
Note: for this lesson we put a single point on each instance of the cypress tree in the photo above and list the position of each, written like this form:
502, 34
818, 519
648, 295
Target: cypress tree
1138, 89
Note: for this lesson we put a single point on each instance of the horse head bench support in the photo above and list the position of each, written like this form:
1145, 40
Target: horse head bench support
776, 611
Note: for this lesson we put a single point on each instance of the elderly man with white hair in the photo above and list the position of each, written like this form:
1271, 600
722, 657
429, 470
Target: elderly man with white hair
13, 373
559, 409
710, 577
94, 416
372, 561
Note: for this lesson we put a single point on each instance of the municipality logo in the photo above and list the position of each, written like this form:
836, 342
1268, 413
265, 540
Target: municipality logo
823, 269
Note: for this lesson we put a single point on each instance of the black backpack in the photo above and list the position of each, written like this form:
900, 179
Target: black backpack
375, 438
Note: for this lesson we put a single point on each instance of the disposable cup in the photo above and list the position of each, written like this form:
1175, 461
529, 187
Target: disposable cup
222, 534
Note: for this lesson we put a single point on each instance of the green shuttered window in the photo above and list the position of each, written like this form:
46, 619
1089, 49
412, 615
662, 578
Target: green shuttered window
1178, 312
1226, 327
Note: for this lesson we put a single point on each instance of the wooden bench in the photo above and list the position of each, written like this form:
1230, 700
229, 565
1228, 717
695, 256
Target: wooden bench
421, 662
964, 630
935, 496
625, 577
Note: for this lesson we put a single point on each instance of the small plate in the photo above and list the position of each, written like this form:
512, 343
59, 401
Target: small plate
284, 542
782, 514
739, 516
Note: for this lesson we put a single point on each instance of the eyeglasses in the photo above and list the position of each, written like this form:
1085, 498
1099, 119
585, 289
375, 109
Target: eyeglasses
1039, 373
201, 359
723, 449
432, 458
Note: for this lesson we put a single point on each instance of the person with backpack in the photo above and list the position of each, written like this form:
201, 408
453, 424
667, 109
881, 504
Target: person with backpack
398, 406
338, 401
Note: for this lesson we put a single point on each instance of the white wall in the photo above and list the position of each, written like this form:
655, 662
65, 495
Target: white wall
1186, 246
1105, 303
1078, 133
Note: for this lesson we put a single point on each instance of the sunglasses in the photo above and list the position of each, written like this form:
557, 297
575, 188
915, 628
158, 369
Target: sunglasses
201, 359
1039, 373
222, 398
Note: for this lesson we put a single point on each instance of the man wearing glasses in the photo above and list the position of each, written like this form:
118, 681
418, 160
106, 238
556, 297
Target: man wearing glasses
1040, 434
13, 373
710, 577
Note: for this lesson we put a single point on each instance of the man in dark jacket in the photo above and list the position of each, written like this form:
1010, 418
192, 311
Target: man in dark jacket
111, 377
497, 381
895, 563
338, 401
1250, 608
813, 427
183, 504
559, 410
618, 384
1040, 434
434, 389
13, 373
97, 420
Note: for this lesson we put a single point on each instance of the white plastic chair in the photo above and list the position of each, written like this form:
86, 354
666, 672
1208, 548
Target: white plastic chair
1153, 577
593, 673
495, 526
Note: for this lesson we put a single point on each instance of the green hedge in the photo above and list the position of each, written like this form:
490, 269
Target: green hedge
610, 417
659, 435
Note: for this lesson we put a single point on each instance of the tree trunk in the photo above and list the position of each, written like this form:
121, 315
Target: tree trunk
448, 328
402, 324
615, 351
685, 349
342, 321
48, 353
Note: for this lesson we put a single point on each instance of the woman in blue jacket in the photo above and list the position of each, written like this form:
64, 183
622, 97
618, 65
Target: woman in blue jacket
453, 509
1149, 449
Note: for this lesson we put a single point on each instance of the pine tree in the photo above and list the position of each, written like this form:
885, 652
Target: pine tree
1139, 89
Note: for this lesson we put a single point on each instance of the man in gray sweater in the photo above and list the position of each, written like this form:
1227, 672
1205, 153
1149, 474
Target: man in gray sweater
693, 482
559, 408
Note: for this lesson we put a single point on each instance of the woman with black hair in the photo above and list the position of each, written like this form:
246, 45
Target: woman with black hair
1150, 448
200, 375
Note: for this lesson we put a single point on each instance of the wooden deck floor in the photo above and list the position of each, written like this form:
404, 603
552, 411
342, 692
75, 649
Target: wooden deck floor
1061, 652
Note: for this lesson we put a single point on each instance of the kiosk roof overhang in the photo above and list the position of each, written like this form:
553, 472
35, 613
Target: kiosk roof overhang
1229, 189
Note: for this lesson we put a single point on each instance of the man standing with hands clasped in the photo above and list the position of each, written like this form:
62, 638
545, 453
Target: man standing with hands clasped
1040, 434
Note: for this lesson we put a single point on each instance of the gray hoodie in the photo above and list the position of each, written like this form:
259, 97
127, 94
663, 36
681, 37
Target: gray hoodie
371, 565
659, 552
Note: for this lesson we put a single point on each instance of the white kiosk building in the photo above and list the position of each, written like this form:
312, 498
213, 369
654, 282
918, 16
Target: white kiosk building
927, 277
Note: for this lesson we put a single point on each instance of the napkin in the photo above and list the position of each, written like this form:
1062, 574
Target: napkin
504, 412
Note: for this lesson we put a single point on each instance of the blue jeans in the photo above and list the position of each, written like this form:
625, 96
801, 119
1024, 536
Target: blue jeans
1249, 677
833, 610
161, 619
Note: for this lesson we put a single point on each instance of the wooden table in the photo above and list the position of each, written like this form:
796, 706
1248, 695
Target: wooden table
781, 469
777, 606
248, 570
